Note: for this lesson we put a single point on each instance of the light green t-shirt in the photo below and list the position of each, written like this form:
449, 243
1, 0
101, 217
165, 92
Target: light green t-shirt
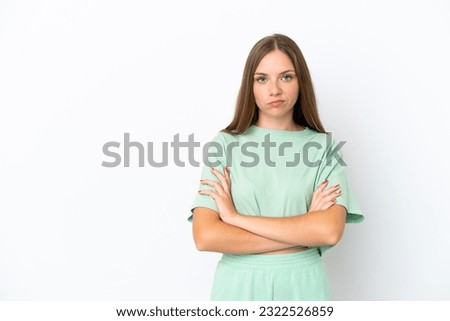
275, 172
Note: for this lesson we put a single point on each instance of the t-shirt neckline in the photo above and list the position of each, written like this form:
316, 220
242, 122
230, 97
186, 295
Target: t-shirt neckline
257, 130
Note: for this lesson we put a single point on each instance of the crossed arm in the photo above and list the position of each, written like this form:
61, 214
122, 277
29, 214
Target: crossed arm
227, 231
212, 234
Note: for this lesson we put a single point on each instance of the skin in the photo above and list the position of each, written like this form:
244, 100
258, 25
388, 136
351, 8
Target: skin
275, 80
227, 231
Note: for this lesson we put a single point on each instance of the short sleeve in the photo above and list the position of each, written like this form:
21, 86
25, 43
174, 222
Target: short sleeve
213, 156
332, 168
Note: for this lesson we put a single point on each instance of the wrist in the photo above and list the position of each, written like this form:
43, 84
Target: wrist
233, 219
239, 220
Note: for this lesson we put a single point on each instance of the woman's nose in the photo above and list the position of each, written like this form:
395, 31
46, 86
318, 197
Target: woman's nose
275, 89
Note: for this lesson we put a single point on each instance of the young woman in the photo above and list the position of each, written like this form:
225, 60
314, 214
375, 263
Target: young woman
274, 195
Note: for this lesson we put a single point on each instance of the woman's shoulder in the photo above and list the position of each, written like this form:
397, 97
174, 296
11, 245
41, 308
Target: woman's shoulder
222, 138
226, 136
316, 135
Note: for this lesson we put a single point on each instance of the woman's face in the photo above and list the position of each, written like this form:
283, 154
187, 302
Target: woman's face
275, 86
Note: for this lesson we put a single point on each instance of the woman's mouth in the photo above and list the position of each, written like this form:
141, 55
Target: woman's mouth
276, 103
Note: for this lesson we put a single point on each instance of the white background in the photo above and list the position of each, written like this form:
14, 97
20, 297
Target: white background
75, 75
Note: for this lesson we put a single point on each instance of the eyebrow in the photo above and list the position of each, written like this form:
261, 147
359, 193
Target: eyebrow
261, 73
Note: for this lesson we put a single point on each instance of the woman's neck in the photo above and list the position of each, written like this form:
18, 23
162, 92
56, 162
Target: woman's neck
288, 125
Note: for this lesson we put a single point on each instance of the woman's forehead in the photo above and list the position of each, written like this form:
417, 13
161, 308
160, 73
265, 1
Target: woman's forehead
275, 61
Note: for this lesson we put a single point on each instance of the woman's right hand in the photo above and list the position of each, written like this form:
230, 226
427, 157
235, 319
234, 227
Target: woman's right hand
324, 198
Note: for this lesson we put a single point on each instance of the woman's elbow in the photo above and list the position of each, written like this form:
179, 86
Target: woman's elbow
335, 225
333, 239
334, 235
203, 241
204, 228
200, 244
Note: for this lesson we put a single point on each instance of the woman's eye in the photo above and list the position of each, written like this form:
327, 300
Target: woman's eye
260, 79
287, 77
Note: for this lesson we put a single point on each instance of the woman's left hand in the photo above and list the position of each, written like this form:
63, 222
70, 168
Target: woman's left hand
221, 195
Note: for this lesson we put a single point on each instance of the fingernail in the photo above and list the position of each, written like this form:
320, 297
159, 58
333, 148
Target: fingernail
199, 191
227, 169
325, 181
337, 185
